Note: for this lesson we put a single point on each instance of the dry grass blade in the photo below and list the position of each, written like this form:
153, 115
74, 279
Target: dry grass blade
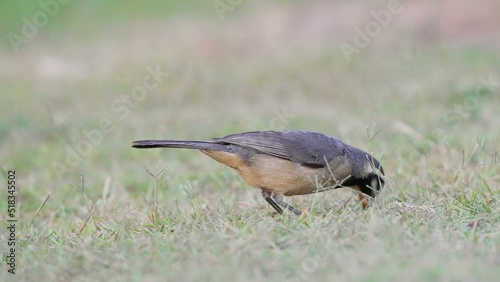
36, 212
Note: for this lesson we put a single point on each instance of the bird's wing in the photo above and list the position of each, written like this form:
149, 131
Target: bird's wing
306, 148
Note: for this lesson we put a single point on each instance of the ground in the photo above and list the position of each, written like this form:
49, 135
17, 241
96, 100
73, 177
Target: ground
420, 93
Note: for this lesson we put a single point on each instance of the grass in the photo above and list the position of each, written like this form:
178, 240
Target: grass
120, 214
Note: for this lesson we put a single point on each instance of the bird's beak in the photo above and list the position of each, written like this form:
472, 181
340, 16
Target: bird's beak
362, 197
364, 202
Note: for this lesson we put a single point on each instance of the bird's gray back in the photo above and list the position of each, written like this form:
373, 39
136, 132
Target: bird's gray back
308, 148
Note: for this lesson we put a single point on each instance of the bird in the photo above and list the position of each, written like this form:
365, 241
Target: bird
289, 162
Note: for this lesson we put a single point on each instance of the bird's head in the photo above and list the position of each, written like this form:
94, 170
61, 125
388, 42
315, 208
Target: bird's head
368, 176
375, 177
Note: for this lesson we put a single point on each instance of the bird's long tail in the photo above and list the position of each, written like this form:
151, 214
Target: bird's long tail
185, 144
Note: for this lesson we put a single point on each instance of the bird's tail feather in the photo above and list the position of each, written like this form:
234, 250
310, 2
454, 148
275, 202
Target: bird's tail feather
185, 144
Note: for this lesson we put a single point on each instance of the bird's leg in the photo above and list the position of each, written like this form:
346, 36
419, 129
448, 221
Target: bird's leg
270, 200
276, 200
279, 199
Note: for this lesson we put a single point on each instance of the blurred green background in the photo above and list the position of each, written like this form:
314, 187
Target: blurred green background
422, 96
85, 16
